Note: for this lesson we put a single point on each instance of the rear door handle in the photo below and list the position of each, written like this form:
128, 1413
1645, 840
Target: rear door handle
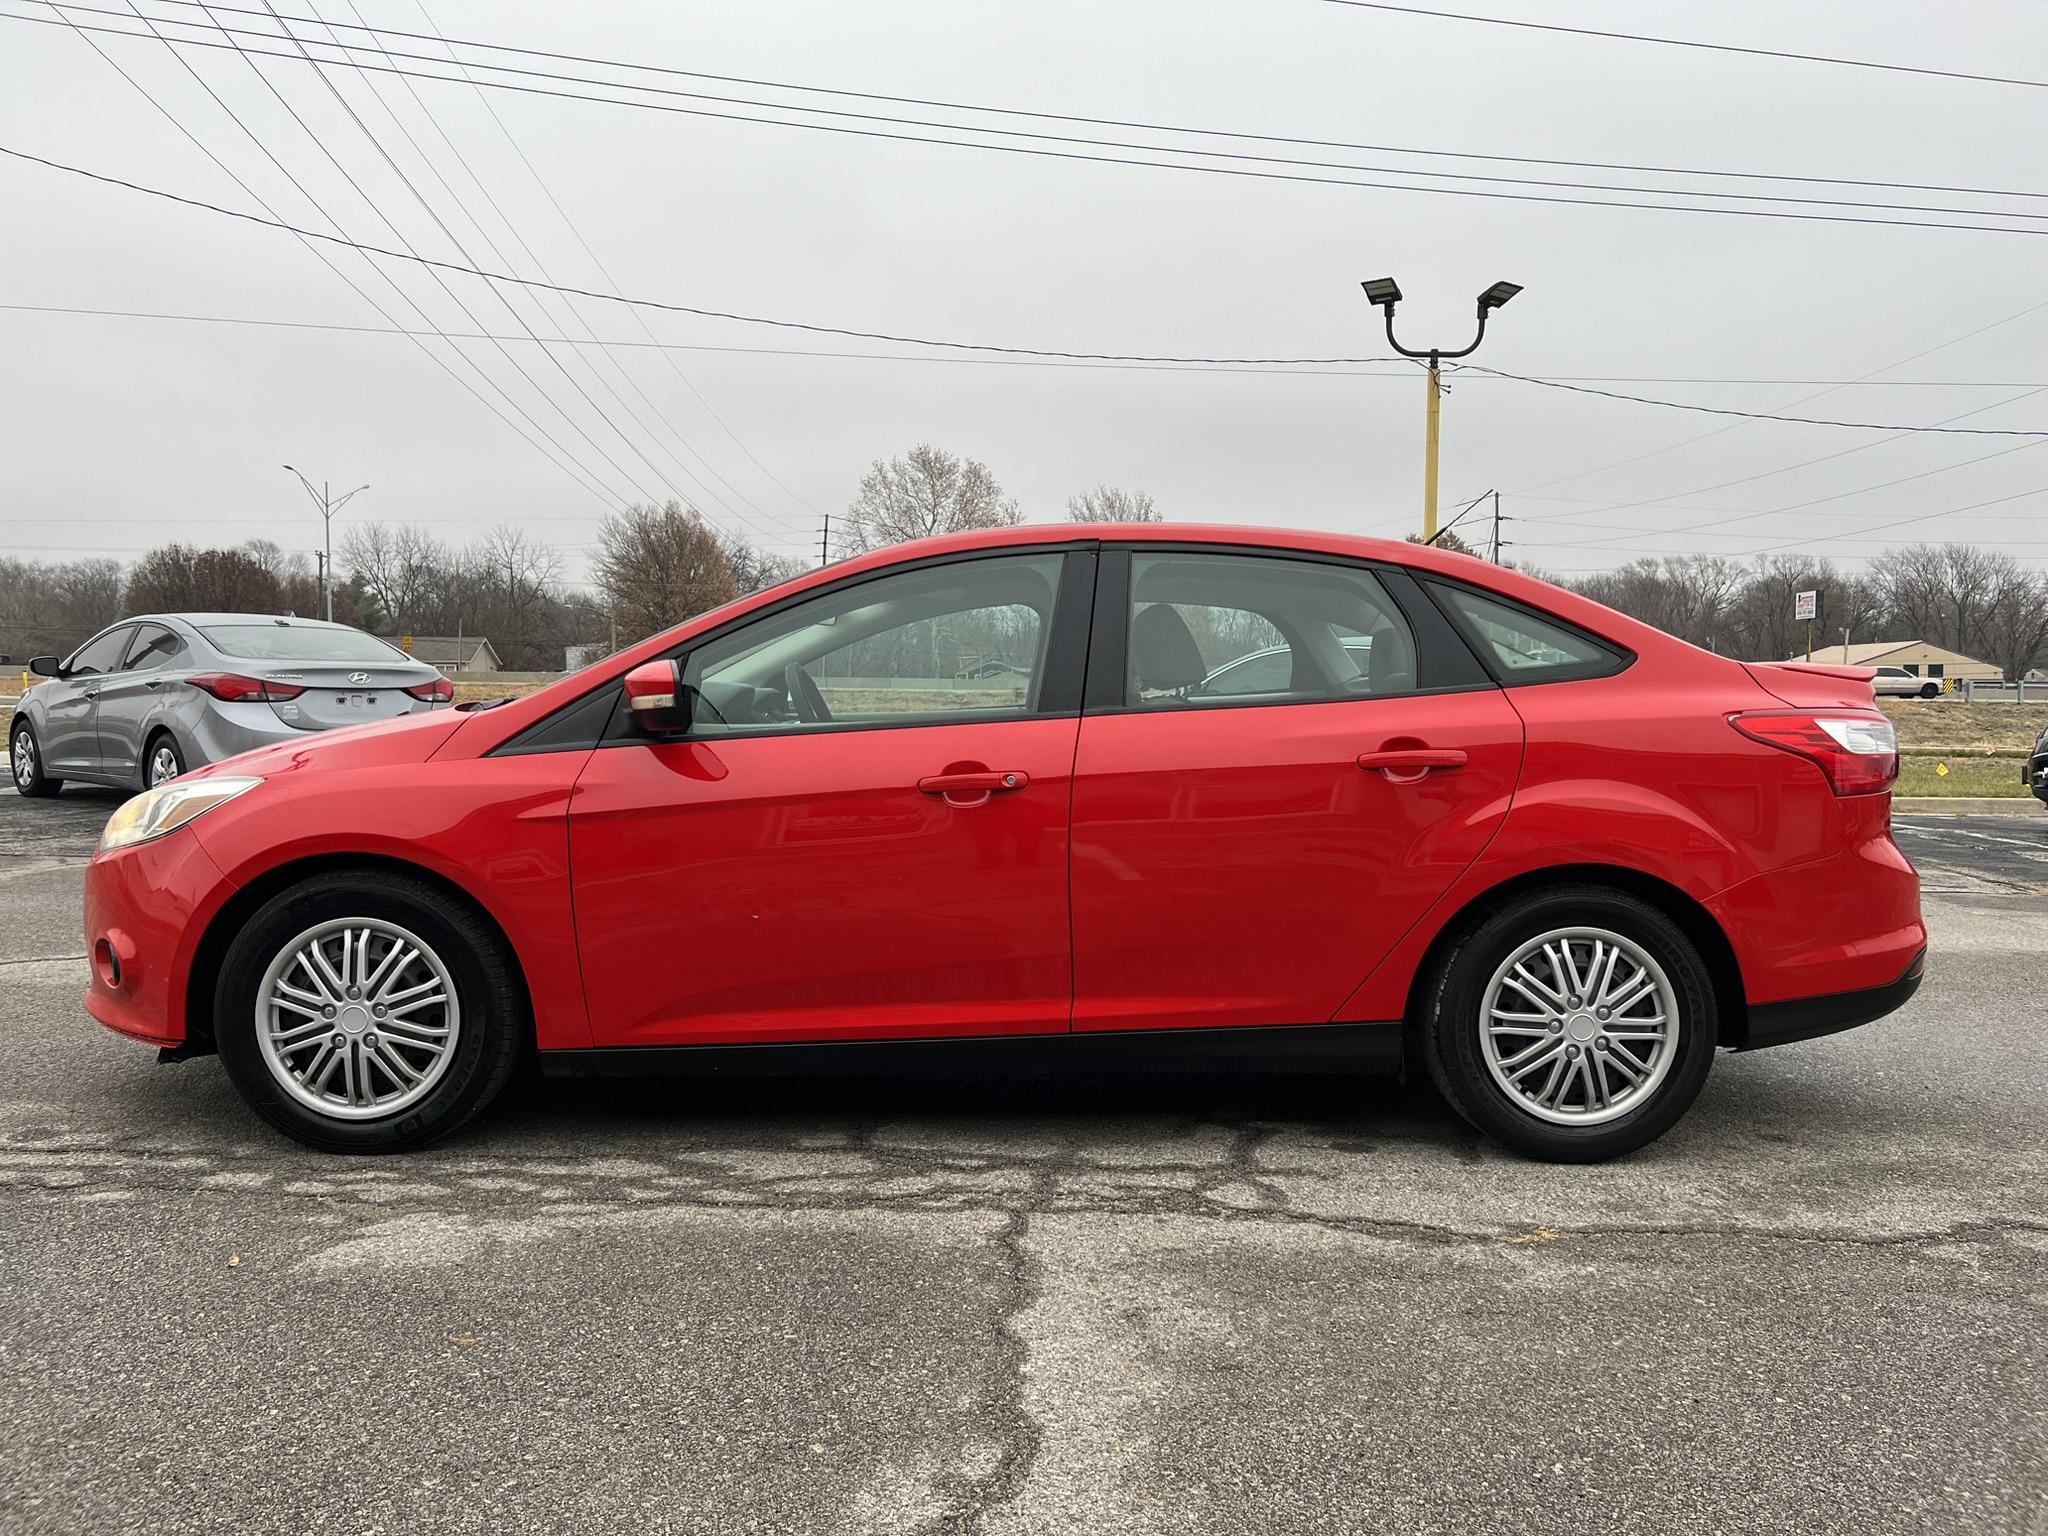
1410, 765
971, 788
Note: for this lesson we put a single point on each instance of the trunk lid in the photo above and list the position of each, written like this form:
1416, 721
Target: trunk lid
342, 693
1813, 685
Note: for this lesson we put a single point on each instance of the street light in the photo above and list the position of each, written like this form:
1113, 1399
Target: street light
1385, 293
328, 507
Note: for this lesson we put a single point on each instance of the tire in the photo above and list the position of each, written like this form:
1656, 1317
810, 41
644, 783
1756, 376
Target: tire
482, 1029
25, 763
1930, 690
1476, 1068
162, 753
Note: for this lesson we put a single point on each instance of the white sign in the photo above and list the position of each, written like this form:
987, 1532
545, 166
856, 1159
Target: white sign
1805, 605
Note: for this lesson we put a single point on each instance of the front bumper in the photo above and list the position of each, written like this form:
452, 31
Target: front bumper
1807, 1018
145, 910
2035, 776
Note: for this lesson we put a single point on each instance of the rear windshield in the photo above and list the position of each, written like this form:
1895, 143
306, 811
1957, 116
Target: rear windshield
289, 642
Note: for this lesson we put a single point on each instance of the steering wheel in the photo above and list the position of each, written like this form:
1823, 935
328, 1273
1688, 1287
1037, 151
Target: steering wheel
804, 695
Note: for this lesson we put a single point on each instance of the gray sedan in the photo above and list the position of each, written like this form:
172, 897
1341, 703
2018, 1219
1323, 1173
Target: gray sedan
146, 699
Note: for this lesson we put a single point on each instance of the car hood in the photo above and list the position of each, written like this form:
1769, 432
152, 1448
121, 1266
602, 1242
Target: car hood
407, 739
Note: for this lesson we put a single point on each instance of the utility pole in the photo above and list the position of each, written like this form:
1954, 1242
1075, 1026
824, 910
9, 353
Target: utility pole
1386, 293
328, 506
825, 542
1496, 528
320, 560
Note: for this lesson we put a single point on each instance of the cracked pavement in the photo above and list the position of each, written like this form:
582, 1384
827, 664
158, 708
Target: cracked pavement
1112, 1302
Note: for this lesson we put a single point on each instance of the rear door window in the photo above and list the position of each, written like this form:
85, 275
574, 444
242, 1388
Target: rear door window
154, 647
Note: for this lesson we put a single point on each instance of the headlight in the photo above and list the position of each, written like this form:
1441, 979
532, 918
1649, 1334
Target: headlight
158, 811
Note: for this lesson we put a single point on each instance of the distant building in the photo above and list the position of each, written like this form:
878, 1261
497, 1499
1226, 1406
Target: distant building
1915, 656
457, 653
576, 657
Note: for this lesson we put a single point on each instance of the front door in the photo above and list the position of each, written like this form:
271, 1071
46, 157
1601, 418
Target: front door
1245, 857
863, 835
71, 712
129, 698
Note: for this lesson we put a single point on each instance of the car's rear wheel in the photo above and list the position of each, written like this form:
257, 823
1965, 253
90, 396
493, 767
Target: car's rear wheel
166, 762
368, 1011
1575, 1023
1929, 690
26, 760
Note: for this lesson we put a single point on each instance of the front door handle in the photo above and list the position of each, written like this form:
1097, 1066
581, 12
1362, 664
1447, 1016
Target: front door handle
965, 789
1411, 765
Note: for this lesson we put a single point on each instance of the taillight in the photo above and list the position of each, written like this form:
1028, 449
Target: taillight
1859, 753
233, 688
439, 691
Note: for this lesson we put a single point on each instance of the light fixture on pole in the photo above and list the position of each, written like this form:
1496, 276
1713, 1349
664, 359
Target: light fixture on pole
328, 507
1385, 293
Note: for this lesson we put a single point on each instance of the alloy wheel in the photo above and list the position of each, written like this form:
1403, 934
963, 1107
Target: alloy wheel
24, 759
357, 1018
163, 765
1579, 1026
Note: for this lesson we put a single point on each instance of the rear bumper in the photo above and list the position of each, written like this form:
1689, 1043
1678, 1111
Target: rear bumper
1807, 1018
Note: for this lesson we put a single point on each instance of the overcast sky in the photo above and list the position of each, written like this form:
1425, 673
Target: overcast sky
118, 433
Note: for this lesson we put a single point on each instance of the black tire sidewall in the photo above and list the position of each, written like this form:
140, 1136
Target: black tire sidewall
487, 1045
1453, 1028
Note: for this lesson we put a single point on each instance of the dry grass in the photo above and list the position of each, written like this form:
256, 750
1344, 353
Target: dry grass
1990, 778
1953, 726
469, 693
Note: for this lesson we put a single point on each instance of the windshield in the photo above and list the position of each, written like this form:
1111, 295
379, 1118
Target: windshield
289, 642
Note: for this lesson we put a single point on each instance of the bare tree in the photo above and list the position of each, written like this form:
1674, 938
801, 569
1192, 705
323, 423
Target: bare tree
925, 492
178, 578
405, 569
2015, 624
1111, 504
756, 569
659, 566
56, 606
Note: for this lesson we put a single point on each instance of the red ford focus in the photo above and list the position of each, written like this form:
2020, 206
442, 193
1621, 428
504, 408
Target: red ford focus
1152, 791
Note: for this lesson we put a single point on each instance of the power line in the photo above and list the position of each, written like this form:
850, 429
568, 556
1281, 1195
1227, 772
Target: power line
1682, 42
1723, 410
1243, 171
484, 99
313, 249
411, 255
1061, 117
999, 362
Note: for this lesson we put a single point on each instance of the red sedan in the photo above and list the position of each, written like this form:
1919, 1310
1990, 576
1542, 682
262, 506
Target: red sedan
1013, 793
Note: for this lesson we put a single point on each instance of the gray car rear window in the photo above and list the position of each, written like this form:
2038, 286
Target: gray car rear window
290, 642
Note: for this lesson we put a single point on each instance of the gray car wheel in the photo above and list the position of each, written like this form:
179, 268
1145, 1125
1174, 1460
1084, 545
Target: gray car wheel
166, 762
26, 759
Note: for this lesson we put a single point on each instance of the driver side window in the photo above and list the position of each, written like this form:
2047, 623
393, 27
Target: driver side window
101, 655
934, 645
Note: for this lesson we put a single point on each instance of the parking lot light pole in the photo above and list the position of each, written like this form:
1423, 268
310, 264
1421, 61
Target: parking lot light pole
328, 507
1386, 293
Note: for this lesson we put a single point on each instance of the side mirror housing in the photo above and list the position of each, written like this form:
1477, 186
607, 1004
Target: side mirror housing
657, 699
44, 666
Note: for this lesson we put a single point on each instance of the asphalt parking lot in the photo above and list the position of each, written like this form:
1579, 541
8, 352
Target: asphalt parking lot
1114, 1304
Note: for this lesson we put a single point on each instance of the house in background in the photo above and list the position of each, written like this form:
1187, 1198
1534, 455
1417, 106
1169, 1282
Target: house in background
1915, 656
457, 653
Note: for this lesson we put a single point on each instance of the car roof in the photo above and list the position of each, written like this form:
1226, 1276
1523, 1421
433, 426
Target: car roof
286, 620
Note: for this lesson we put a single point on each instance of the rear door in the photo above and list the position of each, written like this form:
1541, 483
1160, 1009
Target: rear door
129, 698
1246, 859
71, 709
863, 835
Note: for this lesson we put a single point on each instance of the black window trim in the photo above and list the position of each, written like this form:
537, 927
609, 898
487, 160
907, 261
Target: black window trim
1059, 697
1107, 661
1619, 658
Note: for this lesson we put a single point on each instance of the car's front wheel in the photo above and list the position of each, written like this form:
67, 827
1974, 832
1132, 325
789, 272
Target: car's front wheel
26, 759
1575, 1024
368, 1011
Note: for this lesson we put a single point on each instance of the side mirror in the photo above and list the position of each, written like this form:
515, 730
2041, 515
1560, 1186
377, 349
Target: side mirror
657, 699
44, 666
